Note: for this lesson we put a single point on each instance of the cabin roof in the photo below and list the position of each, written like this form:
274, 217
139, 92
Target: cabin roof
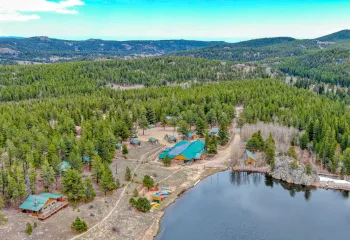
171, 138
86, 159
169, 118
152, 139
193, 149
134, 141
64, 166
250, 154
36, 202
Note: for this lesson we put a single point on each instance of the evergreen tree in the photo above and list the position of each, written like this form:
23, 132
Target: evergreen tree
97, 168
223, 133
143, 124
89, 190
48, 175
135, 193
200, 127
29, 229
269, 150
125, 150
127, 174
304, 140
73, 185
79, 225
117, 183
166, 161
292, 153
183, 127
107, 180
148, 182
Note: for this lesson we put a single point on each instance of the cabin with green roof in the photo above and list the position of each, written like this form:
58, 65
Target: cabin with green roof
65, 166
185, 151
153, 140
135, 142
43, 205
170, 138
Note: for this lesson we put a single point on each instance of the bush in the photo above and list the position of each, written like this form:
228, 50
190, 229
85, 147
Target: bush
135, 193
308, 168
29, 229
167, 161
79, 225
294, 164
143, 205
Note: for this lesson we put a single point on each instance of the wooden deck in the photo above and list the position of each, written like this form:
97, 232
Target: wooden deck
46, 214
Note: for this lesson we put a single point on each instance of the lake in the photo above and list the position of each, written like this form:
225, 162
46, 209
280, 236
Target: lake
239, 205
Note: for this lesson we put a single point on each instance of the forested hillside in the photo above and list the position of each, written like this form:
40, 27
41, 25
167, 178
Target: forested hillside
268, 48
327, 66
54, 80
46, 50
37, 134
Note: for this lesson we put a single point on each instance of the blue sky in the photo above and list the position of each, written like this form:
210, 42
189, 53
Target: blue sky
173, 19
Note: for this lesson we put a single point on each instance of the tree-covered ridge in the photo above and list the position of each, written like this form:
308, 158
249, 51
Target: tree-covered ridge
268, 48
54, 80
328, 66
44, 49
341, 35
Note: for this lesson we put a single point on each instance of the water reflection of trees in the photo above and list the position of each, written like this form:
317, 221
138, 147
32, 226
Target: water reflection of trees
243, 178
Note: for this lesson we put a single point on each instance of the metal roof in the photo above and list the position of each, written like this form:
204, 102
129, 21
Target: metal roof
250, 154
51, 195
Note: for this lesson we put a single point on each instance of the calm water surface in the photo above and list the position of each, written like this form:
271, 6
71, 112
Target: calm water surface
232, 205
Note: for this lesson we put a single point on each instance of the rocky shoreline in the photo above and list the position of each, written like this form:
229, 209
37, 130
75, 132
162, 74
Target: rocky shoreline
298, 175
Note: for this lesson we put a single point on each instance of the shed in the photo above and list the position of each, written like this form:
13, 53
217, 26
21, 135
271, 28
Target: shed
64, 166
118, 145
86, 159
214, 132
153, 140
249, 157
170, 138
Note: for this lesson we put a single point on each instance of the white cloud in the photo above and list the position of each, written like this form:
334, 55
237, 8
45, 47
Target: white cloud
18, 10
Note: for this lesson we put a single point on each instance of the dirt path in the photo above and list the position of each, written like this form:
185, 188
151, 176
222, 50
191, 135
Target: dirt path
113, 211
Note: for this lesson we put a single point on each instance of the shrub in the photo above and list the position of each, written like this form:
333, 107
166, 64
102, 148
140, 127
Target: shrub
79, 225
135, 193
308, 168
294, 164
167, 161
29, 229
143, 205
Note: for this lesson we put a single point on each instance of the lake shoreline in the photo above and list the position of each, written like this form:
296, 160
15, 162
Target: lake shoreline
264, 170
320, 184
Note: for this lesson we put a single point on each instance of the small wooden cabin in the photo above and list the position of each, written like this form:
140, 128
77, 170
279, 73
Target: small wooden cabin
43, 205
168, 119
249, 157
170, 138
135, 142
153, 140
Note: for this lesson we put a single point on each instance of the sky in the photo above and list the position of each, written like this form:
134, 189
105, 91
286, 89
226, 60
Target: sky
229, 20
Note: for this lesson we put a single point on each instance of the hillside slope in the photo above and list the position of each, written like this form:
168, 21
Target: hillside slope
44, 49
269, 48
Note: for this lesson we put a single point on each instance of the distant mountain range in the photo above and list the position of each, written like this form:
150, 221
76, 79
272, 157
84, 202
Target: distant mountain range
47, 50
44, 49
